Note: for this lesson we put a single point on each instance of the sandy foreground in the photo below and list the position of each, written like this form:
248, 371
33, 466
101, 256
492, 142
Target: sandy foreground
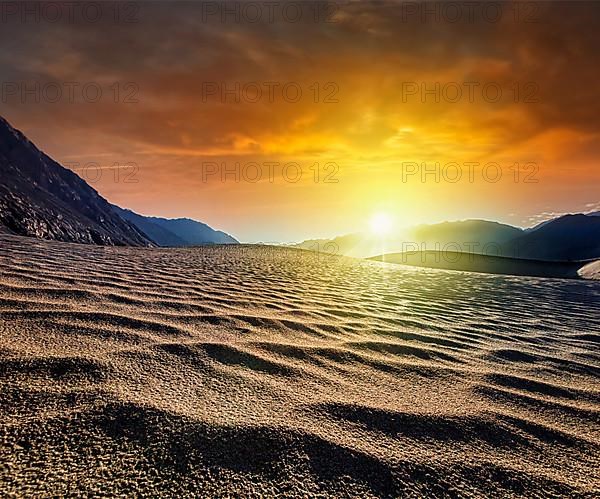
260, 371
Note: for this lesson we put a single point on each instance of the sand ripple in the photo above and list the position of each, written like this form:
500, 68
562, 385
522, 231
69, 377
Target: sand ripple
260, 371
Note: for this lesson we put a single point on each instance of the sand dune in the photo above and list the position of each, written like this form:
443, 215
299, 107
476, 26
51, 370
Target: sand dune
259, 371
591, 270
473, 262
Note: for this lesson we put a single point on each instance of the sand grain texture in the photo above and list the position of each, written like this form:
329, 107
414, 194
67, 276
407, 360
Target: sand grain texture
591, 271
260, 371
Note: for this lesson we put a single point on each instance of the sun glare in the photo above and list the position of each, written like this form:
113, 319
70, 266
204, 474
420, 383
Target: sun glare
381, 224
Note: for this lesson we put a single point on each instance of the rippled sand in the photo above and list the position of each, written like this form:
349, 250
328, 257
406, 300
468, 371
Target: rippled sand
256, 371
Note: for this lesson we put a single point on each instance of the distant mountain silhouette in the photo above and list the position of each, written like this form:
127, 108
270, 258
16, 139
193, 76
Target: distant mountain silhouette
567, 238
349, 245
40, 198
161, 236
467, 235
176, 232
477, 236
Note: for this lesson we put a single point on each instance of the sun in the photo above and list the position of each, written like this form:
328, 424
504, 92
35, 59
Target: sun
381, 224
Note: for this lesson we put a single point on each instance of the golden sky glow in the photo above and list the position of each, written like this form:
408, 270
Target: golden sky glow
365, 70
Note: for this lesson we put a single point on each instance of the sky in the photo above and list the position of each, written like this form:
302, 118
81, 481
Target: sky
302, 120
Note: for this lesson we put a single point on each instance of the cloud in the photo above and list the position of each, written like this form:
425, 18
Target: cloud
369, 52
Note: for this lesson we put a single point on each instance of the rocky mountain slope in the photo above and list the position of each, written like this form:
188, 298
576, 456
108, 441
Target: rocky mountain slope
40, 198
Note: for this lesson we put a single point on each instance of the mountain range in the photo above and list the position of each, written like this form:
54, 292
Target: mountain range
176, 232
566, 238
41, 198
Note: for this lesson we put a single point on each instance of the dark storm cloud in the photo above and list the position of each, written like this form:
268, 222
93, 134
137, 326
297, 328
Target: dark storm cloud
174, 48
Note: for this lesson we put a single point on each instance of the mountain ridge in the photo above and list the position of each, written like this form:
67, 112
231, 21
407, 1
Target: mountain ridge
41, 198
570, 237
176, 231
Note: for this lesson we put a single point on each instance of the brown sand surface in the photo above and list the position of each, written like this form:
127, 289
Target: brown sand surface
591, 270
257, 371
